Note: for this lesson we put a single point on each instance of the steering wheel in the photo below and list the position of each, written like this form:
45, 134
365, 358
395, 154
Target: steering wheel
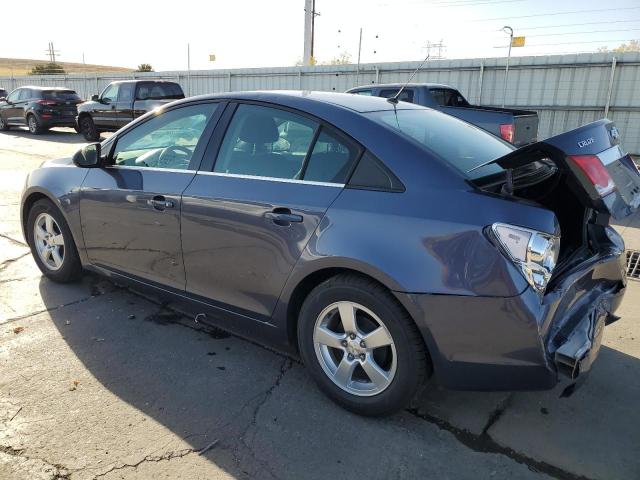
175, 156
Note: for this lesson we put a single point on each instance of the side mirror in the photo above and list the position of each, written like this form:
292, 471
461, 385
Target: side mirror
3, 99
88, 156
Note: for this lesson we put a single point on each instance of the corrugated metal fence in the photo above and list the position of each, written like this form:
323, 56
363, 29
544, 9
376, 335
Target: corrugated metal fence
565, 90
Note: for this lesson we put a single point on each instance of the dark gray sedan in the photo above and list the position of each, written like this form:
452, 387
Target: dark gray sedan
381, 242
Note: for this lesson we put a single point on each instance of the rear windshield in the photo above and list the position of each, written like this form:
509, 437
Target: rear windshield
64, 95
159, 91
459, 143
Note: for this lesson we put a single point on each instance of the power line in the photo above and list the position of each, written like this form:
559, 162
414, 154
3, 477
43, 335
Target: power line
579, 33
557, 13
568, 43
576, 24
584, 33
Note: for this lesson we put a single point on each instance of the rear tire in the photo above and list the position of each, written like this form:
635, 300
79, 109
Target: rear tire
51, 243
34, 124
368, 374
88, 129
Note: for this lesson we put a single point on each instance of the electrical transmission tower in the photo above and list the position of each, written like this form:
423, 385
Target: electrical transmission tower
432, 48
52, 52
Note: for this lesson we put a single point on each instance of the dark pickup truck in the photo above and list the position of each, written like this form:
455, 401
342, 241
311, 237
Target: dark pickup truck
519, 127
121, 102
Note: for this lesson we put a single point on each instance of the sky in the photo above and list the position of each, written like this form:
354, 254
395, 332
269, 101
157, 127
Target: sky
254, 33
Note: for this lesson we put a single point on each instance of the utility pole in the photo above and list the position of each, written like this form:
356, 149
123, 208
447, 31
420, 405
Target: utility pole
359, 51
309, 30
188, 70
509, 30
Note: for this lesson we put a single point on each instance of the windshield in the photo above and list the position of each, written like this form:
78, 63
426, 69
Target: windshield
459, 143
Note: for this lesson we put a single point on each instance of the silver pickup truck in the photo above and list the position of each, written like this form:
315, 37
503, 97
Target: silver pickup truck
121, 102
519, 127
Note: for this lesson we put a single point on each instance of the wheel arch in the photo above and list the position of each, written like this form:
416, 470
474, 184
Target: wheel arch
311, 280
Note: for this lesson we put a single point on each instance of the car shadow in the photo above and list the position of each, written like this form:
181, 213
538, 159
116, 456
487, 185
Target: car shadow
205, 386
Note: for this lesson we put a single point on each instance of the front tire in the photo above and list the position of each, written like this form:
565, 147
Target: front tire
51, 243
88, 129
360, 346
3, 125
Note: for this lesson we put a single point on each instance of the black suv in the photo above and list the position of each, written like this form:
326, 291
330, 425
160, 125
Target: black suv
39, 108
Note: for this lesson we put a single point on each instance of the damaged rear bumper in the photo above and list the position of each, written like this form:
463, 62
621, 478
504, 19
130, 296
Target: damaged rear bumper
522, 342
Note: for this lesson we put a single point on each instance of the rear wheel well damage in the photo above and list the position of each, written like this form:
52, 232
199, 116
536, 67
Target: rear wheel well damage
311, 281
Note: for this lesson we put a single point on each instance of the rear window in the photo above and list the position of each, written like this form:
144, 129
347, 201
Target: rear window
159, 91
64, 95
459, 143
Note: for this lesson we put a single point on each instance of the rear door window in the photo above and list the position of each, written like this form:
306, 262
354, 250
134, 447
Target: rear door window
405, 96
265, 142
364, 92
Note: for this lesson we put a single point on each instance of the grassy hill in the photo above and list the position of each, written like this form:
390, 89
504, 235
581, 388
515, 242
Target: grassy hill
22, 66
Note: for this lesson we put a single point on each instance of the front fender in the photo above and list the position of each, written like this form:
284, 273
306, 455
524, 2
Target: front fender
60, 183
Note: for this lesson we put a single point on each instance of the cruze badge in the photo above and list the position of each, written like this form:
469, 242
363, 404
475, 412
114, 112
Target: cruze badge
585, 143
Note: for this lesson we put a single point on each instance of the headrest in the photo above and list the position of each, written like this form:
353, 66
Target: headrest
259, 129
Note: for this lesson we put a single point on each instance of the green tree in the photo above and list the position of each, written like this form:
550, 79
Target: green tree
144, 67
47, 69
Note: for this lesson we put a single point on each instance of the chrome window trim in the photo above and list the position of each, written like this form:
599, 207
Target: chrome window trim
272, 179
151, 169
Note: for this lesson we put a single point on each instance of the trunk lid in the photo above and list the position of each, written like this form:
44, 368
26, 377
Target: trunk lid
602, 175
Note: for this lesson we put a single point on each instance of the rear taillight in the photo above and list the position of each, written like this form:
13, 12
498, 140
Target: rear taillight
506, 132
595, 172
48, 103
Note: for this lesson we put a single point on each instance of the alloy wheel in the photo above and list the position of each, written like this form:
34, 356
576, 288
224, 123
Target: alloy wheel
49, 241
354, 348
33, 124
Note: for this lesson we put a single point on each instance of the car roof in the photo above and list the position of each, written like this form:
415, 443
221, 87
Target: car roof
310, 100
40, 87
398, 85
138, 80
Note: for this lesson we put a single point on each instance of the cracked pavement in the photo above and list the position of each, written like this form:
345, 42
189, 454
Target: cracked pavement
100, 382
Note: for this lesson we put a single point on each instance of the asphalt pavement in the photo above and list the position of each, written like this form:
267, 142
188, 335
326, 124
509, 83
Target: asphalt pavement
101, 382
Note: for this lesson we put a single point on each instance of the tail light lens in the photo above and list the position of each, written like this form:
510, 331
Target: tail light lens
507, 131
48, 103
534, 253
595, 172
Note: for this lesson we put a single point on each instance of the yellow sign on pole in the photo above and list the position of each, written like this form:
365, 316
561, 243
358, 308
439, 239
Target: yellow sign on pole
212, 58
517, 42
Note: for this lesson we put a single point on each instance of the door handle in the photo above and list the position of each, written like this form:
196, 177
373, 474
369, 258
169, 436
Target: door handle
160, 203
283, 217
